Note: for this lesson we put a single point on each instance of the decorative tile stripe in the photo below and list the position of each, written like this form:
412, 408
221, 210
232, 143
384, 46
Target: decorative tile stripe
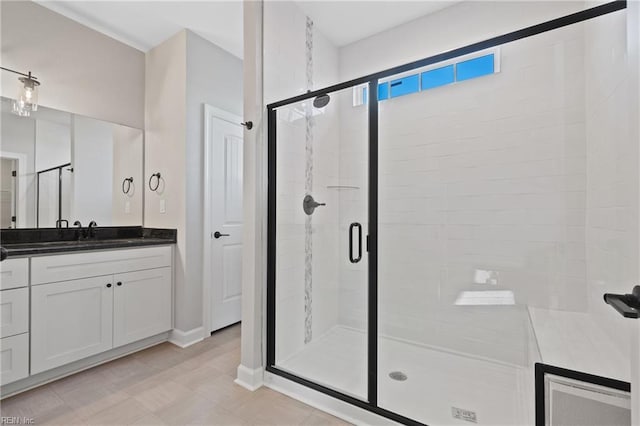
308, 187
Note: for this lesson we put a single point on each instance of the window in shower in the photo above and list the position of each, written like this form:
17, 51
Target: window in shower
405, 85
474, 68
438, 77
459, 69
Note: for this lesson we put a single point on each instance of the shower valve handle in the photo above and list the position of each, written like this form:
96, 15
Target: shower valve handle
309, 205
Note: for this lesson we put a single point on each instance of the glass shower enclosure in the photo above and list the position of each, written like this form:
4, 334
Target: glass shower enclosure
53, 196
437, 229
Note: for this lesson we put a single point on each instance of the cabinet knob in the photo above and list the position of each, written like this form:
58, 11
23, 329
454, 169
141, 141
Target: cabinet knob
109, 285
118, 283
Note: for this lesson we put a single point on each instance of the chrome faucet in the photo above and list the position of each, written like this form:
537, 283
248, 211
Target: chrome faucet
92, 228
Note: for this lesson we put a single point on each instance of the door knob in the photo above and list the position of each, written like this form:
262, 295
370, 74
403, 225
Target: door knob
217, 235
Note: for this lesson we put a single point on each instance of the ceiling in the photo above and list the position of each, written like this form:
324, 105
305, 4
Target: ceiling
344, 22
145, 24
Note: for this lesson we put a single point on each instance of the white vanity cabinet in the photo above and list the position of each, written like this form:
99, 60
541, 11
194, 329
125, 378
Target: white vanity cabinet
141, 305
80, 315
14, 320
70, 320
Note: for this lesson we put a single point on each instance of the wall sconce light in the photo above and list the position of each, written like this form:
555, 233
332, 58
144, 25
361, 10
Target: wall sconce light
27, 100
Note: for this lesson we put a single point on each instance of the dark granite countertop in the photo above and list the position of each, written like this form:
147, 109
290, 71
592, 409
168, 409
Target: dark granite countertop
27, 242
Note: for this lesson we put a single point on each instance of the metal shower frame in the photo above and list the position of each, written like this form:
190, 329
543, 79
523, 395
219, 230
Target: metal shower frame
371, 404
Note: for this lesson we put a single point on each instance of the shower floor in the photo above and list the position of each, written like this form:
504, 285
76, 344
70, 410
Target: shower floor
437, 380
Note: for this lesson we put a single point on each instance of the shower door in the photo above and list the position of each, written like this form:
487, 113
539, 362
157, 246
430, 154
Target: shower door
319, 228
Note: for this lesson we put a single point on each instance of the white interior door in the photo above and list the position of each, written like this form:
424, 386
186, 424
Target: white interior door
224, 139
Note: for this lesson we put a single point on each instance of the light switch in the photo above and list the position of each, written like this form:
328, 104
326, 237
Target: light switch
127, 206
163, 206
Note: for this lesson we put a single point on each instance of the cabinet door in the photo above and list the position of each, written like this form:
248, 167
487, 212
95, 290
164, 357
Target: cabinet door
14, 273
14, 312
141, 305
70, 320
14, 358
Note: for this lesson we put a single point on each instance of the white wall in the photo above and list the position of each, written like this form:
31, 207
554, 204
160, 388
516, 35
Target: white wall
486, 174
19, 137
53, 144
53, 148
82, 71
128, 161
285, 75
92, 178
633, 47
612, 184
183, 74
165, 130
213, 78
450, 28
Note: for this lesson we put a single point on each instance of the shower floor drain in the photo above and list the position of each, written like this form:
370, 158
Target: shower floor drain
398, 375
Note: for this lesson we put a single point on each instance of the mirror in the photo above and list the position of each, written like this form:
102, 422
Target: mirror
57, 167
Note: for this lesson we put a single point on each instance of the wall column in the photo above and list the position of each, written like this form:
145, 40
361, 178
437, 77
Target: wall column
251, 368
633, 43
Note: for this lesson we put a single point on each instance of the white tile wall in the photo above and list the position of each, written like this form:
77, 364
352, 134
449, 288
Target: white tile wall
529, 173
284, 70
612, 190
487, 174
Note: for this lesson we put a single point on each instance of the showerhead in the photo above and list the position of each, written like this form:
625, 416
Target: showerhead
321, 101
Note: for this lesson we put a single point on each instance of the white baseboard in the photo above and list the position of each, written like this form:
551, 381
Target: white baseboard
248, 378
186, 338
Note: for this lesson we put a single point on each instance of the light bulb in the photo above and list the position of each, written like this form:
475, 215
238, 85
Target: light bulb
27, 99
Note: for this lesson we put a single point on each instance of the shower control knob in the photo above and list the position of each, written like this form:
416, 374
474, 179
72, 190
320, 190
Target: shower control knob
309, 205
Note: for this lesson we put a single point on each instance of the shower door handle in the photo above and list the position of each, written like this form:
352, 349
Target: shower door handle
351, 228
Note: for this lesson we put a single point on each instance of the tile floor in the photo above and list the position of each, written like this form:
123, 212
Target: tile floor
164, 385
